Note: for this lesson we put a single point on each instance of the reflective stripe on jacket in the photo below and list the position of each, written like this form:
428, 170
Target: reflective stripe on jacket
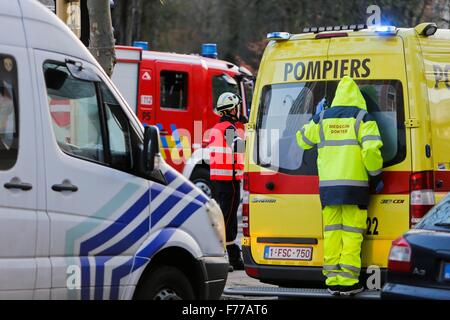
348, 142
226, 152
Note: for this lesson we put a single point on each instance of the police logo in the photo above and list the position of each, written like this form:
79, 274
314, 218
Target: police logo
8, 64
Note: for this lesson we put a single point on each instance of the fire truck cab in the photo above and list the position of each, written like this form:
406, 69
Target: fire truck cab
178, 92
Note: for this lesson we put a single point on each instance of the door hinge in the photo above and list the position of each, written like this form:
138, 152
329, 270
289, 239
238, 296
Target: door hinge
251, 126
412, 123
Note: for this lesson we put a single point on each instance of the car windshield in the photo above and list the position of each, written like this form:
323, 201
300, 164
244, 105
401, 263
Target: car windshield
438, 217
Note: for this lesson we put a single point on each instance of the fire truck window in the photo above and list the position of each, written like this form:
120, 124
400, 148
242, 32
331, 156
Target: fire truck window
174, 86
74, 113
9, 134
223, 83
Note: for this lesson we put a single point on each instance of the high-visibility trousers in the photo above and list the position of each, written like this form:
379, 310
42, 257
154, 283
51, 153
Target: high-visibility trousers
343, 229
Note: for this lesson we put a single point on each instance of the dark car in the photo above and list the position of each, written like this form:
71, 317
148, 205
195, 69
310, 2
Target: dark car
419, 261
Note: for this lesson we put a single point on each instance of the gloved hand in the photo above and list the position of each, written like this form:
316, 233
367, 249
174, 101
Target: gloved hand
320, 106
243, 119
377, 183
379, 187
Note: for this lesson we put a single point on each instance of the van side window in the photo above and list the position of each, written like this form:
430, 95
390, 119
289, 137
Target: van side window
174, 86
74, 112
223, 83
119, 131
9, 113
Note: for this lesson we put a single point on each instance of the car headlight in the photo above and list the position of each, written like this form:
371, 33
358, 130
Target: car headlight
216, 217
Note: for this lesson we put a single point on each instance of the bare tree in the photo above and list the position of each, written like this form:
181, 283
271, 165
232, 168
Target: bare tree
101, 42
127, 17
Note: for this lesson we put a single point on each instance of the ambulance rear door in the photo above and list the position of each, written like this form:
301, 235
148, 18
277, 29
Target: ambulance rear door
285, 211
377, 63
436, 60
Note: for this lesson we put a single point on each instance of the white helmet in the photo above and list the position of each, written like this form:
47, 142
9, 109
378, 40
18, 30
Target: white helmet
227, 101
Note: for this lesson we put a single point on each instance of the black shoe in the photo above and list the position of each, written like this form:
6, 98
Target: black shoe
238, 264
351, 290
230, 268
334, 290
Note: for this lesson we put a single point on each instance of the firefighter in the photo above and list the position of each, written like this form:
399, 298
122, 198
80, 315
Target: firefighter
349, 157
226, 149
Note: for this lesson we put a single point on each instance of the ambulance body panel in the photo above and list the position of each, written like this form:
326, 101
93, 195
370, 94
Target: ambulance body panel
284, 239
80, 215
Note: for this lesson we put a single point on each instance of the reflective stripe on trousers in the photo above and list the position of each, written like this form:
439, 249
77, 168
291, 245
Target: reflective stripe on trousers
335, 183
344, 226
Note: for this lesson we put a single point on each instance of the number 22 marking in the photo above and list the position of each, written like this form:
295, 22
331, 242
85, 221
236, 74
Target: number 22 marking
370, 222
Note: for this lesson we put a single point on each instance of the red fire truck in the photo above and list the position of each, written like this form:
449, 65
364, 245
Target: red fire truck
177, 93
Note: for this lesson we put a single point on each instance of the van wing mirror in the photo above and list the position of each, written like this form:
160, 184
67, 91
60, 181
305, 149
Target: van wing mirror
80, 72
151, 147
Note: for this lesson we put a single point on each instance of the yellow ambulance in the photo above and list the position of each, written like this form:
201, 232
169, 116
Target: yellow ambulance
404, 76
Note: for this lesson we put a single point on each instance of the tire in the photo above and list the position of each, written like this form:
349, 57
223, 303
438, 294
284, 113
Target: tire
166, 283
200, 177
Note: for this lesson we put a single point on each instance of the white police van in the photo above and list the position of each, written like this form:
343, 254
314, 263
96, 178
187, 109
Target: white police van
88, 209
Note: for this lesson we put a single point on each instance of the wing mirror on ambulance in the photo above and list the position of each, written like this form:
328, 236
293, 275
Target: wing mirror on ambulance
426, 29
151, 148
81, 72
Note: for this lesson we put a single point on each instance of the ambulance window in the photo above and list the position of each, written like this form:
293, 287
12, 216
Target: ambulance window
74, 113
384, 100
9, 133
248, 88
174, 86
223, 83
285, 108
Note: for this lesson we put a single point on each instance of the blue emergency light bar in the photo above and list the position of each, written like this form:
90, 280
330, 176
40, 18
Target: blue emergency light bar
385, 30
209, 50
278, 36
141, 44
381, 30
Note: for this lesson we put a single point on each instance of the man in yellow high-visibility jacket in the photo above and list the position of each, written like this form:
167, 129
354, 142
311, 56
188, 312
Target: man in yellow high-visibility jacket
348, 142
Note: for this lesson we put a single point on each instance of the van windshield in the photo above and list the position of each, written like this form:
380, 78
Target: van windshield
285, 108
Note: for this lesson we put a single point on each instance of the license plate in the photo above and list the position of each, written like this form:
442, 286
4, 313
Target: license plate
288, 253
447, 271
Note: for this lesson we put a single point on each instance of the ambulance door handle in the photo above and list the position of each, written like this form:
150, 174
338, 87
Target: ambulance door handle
65, 186
164, 132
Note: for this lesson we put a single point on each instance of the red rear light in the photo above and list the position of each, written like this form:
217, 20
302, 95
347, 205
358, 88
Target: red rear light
246, 185
246, 207
400, 256
421, 180
252, 272
421, 187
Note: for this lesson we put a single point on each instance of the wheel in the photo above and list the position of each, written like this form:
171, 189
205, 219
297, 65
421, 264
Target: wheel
166, 283
200, 177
